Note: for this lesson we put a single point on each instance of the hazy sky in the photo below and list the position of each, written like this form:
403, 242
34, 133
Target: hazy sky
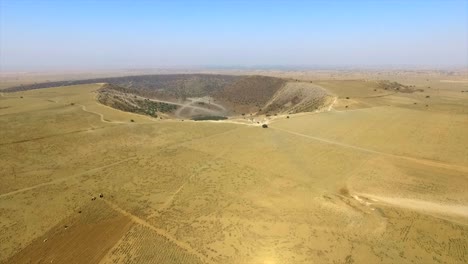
86, 34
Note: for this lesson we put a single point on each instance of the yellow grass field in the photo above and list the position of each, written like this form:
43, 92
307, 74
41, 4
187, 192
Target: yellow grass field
383, 180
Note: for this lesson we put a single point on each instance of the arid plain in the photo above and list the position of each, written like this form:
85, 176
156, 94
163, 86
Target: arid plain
374, 176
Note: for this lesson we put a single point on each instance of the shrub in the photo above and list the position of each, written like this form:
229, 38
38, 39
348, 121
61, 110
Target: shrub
201, 118
344, 191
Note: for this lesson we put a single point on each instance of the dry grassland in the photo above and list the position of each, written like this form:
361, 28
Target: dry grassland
381, 181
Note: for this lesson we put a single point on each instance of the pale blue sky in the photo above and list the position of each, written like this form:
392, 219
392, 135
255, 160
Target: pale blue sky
87, 34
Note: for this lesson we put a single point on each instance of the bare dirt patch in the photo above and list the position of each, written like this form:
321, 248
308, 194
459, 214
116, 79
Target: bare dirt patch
83, 238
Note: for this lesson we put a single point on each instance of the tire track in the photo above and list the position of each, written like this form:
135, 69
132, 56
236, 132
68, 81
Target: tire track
3, 95
65, 178
443, 165
170, 145
50, 136
171, 198
375, 96
158, 231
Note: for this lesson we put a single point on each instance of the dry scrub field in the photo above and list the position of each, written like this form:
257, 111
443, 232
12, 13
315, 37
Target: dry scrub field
383, 180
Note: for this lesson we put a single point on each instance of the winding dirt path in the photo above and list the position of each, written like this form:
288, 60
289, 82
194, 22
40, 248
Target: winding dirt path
330, 107
183, 106
100, 115
191, 106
